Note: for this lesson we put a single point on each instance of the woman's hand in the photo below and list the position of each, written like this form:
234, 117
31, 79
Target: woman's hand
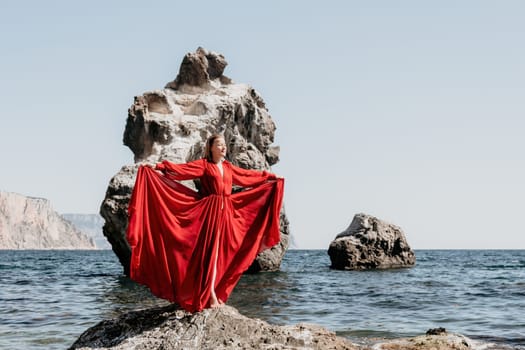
152, 166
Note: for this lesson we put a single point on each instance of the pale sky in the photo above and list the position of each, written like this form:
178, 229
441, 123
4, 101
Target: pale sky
411, 111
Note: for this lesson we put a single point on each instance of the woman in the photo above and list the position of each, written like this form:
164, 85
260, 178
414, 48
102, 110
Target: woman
192, 247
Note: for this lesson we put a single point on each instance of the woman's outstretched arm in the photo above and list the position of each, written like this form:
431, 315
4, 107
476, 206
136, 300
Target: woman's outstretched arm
185, 171
249, 178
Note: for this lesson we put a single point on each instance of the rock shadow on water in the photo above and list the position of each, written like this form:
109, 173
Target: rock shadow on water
126, 295
264, 295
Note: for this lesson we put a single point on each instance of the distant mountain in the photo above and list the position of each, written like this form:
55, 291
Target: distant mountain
91, 225
31, 223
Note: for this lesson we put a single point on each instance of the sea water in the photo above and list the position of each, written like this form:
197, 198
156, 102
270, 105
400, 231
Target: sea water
48, 298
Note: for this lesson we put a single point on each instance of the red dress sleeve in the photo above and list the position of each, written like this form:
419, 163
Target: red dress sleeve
249, 178
186, 171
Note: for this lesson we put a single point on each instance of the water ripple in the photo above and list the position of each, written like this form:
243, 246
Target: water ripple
50, 297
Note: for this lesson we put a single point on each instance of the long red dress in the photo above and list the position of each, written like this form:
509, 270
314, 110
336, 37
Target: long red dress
176, 234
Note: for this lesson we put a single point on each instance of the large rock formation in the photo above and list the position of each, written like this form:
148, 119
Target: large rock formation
173, 124
370, 243
223, 328
31, 223
91, 226
168, 327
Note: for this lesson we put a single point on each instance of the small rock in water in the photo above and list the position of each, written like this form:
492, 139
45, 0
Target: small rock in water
370, 243
436, 331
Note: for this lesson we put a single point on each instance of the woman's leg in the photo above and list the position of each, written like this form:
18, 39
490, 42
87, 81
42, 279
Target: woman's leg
214, 301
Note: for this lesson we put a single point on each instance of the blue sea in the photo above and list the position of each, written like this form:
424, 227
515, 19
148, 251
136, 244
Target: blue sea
48, 298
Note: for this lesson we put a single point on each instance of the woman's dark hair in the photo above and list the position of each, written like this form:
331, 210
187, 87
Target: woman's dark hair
209, 143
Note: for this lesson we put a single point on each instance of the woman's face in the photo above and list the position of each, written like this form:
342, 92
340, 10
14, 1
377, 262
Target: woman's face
218, 149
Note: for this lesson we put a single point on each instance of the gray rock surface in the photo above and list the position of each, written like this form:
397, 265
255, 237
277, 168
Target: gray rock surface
442, 341
168, 327
369, 243
223, 328
439, 339
173, 123
91, 226
31, 223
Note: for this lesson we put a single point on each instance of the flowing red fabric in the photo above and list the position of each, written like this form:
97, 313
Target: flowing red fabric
176, 233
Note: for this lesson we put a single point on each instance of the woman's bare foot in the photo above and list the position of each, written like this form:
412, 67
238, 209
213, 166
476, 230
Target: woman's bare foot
215, 303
